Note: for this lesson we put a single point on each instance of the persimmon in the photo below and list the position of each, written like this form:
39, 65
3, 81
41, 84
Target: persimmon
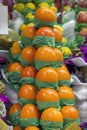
70, 112
15, 66
28, 71
17, 128
45, 31
57, 34
66, 92
28, 54
45, 14
52, 115
63, 66
29, 31
59, 54
29, 111
47, 74
14, 108
45, 53
27, 91
32, 128
47, 95
15, 49
63, 74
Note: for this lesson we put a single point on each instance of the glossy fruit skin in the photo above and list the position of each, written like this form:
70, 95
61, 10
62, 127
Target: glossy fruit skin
27, 91
15, 49
28, 71
28, 54
45, 53
32, 128
52, 114
83, 32
70, 112
14, 67
47, 95
57, 34
45, 31
46, 14
82, 17
17, 128
63, 66
66, 93
29, 31
63, 74
29, 111
59, 54
14, 108
47, 74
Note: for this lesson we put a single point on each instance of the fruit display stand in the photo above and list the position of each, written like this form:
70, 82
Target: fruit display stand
35, 72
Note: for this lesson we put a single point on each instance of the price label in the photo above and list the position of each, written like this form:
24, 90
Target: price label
3, 19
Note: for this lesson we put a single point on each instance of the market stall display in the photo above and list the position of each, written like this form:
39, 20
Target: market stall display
36, 72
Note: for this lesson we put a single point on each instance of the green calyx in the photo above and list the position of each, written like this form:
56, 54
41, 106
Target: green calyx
48, 125
41, 84
24, 101
45, 105
43, 41
27, 80
40, 64
24, 62
64, 83
25, 122
26, 42
27, 10
14, 118
28, 20
38, 23
66, 102
13, 77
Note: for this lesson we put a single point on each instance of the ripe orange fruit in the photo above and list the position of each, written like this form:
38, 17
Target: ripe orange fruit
66, 93
28, 53
52, 115
45, 14
47, 74
14, 108
17, 128
45, 31
29, 111
15, 49
29, 31
57, 34
59, 54
63, 74
28, 71
63, 66
45, 53
32, 128
70, 112
27, 91
47, 95
15, 66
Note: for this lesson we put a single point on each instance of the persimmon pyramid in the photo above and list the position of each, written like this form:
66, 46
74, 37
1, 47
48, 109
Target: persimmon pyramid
43, 86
